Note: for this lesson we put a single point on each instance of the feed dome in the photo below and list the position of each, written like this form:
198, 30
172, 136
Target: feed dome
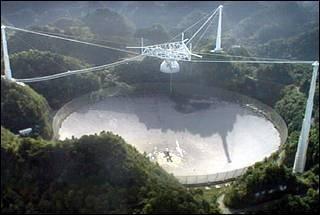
169, 66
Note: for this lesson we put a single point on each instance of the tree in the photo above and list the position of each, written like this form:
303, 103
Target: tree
96, 173
22, 107
33, 63
106, 23
291, 107
156, 33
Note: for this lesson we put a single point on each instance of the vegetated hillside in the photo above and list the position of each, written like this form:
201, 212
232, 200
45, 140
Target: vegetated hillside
155, 34
281, 19
261, 82
292, 107
276, 184
21, 41
145, 71
106, 23
274, 29
34, 63
95, 174
22, 107
284, 87
166, 12
266, 29
277, 25
304, 46
169, 13
272, 180
39, 13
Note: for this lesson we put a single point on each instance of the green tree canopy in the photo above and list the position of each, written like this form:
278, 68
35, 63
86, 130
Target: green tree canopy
22, 107
33, 63
96, 173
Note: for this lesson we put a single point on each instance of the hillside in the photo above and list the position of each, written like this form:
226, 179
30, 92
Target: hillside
34, 63
106, 23
272, 180
96, 174
22, 107
303, 46
21, 41
265, 29
101, 173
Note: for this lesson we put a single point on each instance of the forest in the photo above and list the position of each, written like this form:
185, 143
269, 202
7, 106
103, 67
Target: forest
101, 173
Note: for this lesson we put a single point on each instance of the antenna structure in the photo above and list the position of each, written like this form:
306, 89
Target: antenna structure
171, 53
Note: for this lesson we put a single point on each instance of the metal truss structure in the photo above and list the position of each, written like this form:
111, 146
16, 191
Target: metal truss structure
177, 51
170, 51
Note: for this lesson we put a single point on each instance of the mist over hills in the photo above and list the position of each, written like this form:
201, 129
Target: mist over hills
250, 24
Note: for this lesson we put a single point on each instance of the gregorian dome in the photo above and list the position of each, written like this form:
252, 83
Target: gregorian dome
169, 66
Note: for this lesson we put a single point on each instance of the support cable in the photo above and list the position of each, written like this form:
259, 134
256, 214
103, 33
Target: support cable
79, 37
190, 26
248, 61
32, 47
202, 25
72, 40
239, 56
202, 35
73, 72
